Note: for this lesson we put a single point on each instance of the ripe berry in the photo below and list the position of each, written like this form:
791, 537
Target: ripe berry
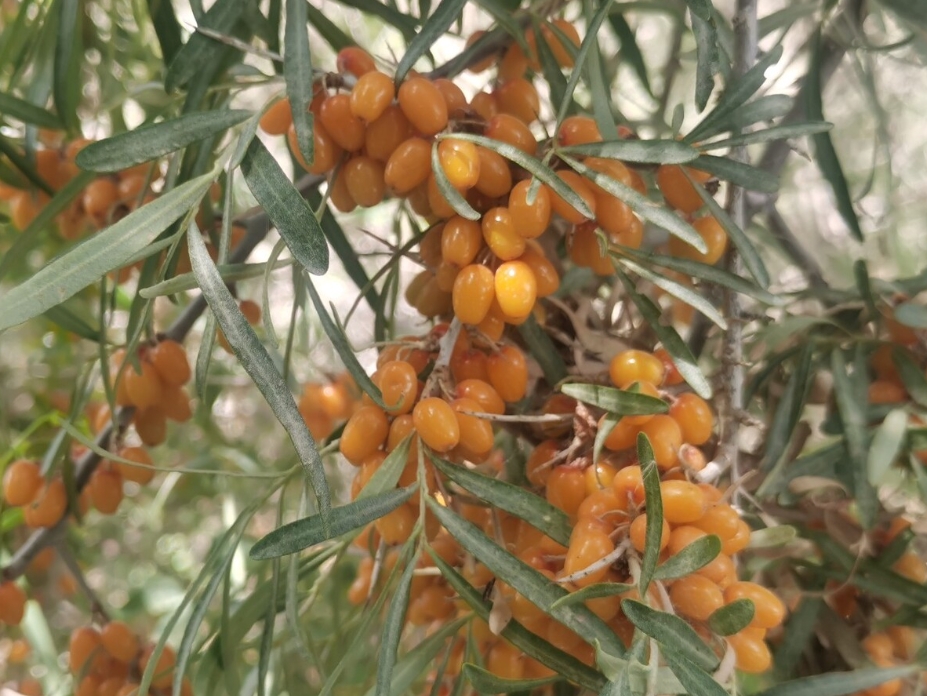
47, 509
601, 505
578, 130
354, 60
495, 178
752, 652
483, 393
372, 93
519, 98
399, 386
364, 177
486, 62
461, 241
473, 293
339, 121
105, 487
694, 417
665, 438
460, 161
22, 482
408, 166
363, 434
423, 104
143, 388
530, 219
676, 188
562, 54
710, 230
739, 541
505, 661
682, 536
566, 489
99, 196
683, 502
12, 603
585, 550
545, 275
277, 118
164, 667
720, 571
516, 288
385, 134
119, 641
538, 466
696, 597
436, 423
325, 151
169, 359
721, 520
151, 426
476, 436
598, 476
500, 234
638, 533
631, 366
912, 567
396, 527
508, 373
581, 187
514, 63
513, 131
454, 97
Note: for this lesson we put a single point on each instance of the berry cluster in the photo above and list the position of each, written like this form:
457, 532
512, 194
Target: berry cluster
110, 661
889, 648
325, 405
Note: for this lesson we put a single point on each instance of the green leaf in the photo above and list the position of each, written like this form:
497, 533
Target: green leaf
606, 426
533, 165
680, 291
768, 134
657, 213
838, 683
693, 677
911, 375
751, 257
630, 51
527, 580
707, 58
564, 664
553, 73
619, 401
653, 499
738, 173
735, 95
772, 537
259, 365
515, 500
98, 255
24, 111
789, 409
327, 29
309, 531
696, 555
388, 13
675, 346
886, 445
201, 49
390, 471
68, 58
488, 683
852, 413
761, 109
671, 632
288, 210
642, 151
594, 591
825, 155
702, 271
588, 45
700, 8
70, 321
451, 195
297, 71
155, 139
911, 314
392, 629
166, 27
603, 109
543, 350
343, 348
435, 27
799, 629
732, 618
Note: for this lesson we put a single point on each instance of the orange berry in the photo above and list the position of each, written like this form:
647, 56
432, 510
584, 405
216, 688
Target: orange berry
665, 438
912, 567
538, 466
500, 234
454, 97
372, 93
600, 505
514, 63
461, 241
883, 391
545, 274
84, 644
720, 571
325, 151
399, 385
566, 489
879, 645
683, 502
277, 118
578, 130
769, 610
363, 434
143, 388
638, 533
710, 230
677, 190
151, 426
562, 54
25, 207
99, 196
396, 527
408, 166
169, 360
495, 178
512, 130
423, 104
508, 373
22, 482
631, 366
49, 507
582, 188
385, 134
164, 667
682, 536
139, 474
628, 485
739, 541
342, 125
473, 292
516, 288
482, 393
904, 641
696, 597
721, 520
460, 161
364, 177
530, 219
598, 476
476, 435
436, 423
354, 60
12, 603
119, 641
469, 364
585, 550
486, 62
175, 404
586, 250
752, 653
105, 489
694, 417
506, 661
519, 98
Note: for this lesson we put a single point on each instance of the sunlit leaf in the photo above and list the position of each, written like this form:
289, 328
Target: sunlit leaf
670, 631
732, 618
620, 401
696, 555
24, 111
433, 28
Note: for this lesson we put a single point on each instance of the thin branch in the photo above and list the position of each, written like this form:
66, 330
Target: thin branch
96, 606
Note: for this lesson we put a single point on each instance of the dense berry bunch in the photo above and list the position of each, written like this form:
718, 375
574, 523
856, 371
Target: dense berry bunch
325, 405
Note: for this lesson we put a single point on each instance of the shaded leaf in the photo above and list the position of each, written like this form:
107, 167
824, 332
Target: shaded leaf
68, 58
201, 49
286, 208
155, 139
799, 629
515, 500
406, 24
488, 683
392, 629
643, 151
738, 173
543, 350
789, 409
98, 255
259, 365
454, 198
786, 132
913, 377
680, 291
653, 499
24, 111
886, 445
594, 591
707, 57
693, 677
297, 72
838, 683
309, 531
732, 618
166, 27
630, 51
696, 555
619, 401
327, 29
587, 45
672, 632
431, 30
